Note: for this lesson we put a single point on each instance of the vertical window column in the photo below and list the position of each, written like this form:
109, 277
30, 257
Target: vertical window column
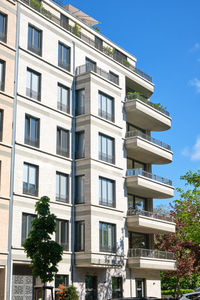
62, 187
30, 179
80, 144
80, 236
33, 84
80, 189
80, 102
62, 142
3, 27
2, 75
62, 233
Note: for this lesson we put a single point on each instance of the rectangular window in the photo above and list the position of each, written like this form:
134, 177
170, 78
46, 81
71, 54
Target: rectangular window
80, 236
136, 202
116, 287
106, 192
33, 84
63, 56
1, 125
114, 77
2, 75
138, 240
26, 225
80, 189
34, 40
91, 65
60, 279
106, 107
134, 164
62, 233
64, 21
62, 142
30, 179
107, 237
62, 187
80, 102
106, 148
63, 98
3, 27
98, 43
32, 131
119, 56
80, 144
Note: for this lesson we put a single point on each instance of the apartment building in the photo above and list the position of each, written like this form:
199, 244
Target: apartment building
82, 125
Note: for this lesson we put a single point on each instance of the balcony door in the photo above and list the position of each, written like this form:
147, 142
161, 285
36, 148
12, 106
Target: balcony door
140, 287
90, 287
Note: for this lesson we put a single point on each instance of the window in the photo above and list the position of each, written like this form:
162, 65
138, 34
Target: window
136, 202
63, 56
2, 75
80, 102
60, 279
131, 127
91, 289
119, 56
106, 192
63, 98
90, 65
107, 237
64, 21
62, 142
32, 131
1, 125
3, 27
106, 149
26, 225
134, 164
116, 287
80, 144
62, 233
114, 77
33, 85
98, 43
34, 40
30, 179
106, 107
62, 187
80, 189
138, 240
79, 236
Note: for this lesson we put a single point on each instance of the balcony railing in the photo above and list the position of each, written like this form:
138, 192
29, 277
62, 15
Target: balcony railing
154, 105
139, 252
63, 107
141, 172
139, 212
106, 115
148, 138
92, 68
30, 189
106, 157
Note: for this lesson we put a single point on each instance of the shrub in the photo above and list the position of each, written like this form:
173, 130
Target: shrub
126, 63
171, 292
67, 293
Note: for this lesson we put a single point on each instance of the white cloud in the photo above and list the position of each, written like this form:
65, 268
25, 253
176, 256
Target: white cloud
196, 83
196, 150
195, 47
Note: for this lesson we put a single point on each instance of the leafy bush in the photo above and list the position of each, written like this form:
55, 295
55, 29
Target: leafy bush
67, 293
171, 292
35, 4
76, 30
126, 63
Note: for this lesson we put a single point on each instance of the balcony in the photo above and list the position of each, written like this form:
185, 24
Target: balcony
147, 149
92, 68
148, 185
98, 260
151, 259
146, 114
149, 222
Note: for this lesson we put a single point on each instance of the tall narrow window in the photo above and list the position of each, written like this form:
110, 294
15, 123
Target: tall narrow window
34, 40
2, 75
116, 287
33, 84
64, 56
30, 179
106, 107
98, 43
106, 148
107, 237
91, 65
62, 142
80, 236
80, 144
1, 125
62, 233
63, 98
32, 131
26, 225
114, 77
64, 21
62, 187
80, 102
106, 192
80, 189
3, 27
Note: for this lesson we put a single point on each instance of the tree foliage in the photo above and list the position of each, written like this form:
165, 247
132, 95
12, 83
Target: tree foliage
67, 293
39, 246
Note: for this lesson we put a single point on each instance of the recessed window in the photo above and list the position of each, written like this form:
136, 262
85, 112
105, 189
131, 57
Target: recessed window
32, 131
30, 179
63, 98
114, 77
80, 102
136, 202
64, 21
134, 164
62, 233
64, 56
80, 145
106, 192
2, 75
138, 240
62, 142
80, 189
91, 65
26, 225
98, 43
33, 84
34, 40
106, 148
106, 107
3, 27
116, 287
1, 125
62, 187
80, 236
107, 237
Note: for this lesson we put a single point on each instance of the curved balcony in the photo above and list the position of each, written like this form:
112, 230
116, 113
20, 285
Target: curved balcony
151, 259
98, 260
149, 222
143, 147
148, 185
146, 114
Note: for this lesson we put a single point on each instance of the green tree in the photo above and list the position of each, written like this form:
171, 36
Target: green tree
39, 246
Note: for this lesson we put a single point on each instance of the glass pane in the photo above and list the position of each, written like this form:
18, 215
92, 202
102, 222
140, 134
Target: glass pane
24, 231
57, 185
103, 103
63, 191
104, 190
36, 38
129, 163
110, 237
35, 83
100, 190
110, 192
139, 203
130, 201
32, 175
28, 80
25, 173
64, 96
110, 147
109, 106
104, 144
57, 231
138, 165
33, 129
30, 35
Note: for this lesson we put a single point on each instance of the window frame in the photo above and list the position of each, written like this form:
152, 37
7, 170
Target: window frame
104, 114
114, 77
32, 47
61, 63
131, 240
60, 104
113, 192
79, 153
117, 293
105, 156
28, 140
3, 75
5, 28
59, 150
80, 244
105, 248
80, 109
58, 235
59, 198
30, 93
36, 180
78, 195
27, 223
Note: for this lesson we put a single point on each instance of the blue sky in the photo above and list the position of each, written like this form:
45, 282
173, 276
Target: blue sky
165, 38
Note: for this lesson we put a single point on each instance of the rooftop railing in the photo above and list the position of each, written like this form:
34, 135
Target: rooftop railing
38, 7
147, 137
139, 212
141, 172
139, 252
154, 105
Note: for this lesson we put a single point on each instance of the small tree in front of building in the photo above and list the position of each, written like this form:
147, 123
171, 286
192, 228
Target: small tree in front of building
44, 253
